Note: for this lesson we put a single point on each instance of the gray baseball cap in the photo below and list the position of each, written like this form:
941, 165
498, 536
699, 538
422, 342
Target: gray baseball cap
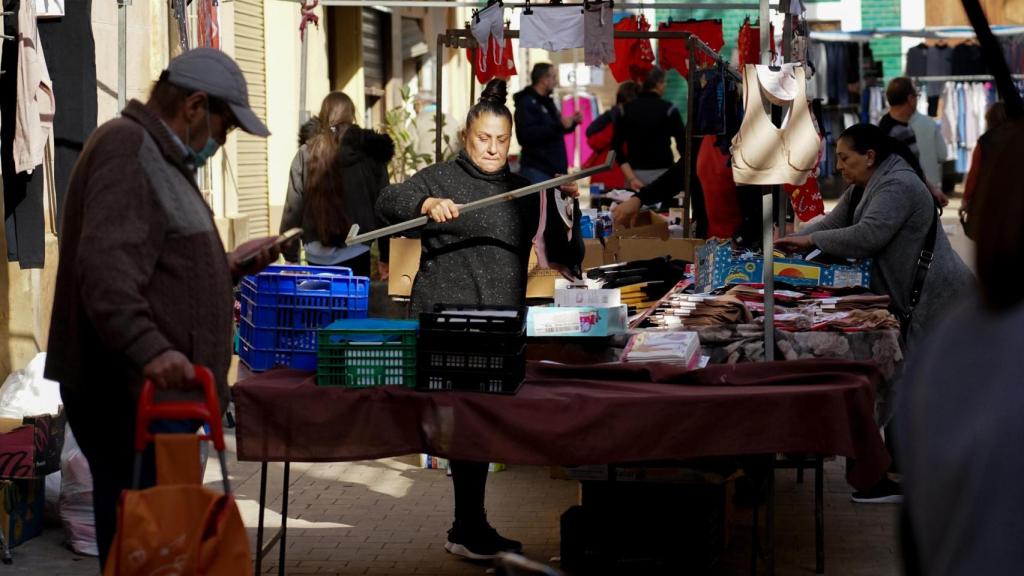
211, 71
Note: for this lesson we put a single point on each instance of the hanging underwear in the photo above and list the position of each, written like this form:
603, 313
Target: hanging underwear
748, 44
673, 53
489, 23
552, 29
500, 63
598, 36
634, 57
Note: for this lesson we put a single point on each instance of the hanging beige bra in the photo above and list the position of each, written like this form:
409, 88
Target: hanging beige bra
763, 154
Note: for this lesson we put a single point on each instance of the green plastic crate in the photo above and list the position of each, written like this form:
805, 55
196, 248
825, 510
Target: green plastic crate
365, 353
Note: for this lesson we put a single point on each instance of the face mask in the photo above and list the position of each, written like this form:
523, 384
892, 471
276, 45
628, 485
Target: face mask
199, 158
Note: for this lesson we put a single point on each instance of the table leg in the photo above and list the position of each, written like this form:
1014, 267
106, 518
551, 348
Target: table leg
259, 526
819, 514
283, 550
755, 544
769, 524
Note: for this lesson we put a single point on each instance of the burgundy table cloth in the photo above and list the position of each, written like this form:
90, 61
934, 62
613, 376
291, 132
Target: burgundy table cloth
572, 415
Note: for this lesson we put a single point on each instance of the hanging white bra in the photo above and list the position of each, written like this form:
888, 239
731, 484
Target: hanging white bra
763, 154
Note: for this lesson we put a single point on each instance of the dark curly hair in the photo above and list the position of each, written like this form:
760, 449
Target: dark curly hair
492, 101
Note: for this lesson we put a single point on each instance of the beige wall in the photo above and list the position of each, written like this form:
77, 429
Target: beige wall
284, 56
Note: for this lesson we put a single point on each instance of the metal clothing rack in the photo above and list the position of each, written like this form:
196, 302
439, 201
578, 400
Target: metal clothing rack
962, 78
465, 4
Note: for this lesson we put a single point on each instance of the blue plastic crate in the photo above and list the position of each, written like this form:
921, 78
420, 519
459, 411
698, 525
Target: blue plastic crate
261, 360
302, 312
278, 338
305, 281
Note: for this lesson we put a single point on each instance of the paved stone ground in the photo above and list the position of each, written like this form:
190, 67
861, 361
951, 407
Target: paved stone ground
389, 517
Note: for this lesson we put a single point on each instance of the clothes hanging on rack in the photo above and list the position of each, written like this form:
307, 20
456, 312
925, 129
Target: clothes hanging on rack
36, 104
588, 108
817, 67
634, 57
70, 52
873, 105
486, 24
967, 60
552, 29
598, 35
764, 154
963, 118
208, 24
493, 63
673, 53
748, 44
719, 190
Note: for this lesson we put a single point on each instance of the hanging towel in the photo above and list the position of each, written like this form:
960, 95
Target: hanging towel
36, 104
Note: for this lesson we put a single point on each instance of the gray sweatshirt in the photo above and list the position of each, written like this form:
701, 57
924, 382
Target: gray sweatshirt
890, 225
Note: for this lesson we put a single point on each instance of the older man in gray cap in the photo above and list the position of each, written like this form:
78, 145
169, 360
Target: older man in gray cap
144, 287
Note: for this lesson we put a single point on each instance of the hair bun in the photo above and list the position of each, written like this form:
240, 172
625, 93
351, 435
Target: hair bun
495, 92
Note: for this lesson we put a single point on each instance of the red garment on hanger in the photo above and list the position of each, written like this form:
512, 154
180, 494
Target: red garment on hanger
601, 144
806, 199
634, 57
748, 43
207, 24
503, 66
673, 53
720, 200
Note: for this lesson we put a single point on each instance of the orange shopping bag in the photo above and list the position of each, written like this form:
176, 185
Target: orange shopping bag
179, 529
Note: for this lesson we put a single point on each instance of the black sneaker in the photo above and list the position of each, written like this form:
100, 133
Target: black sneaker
478, 541
884, 492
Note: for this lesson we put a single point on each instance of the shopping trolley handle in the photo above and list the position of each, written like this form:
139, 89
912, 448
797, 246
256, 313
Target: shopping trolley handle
208, 411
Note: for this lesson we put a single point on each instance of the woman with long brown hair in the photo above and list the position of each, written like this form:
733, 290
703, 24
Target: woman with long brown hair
335, 179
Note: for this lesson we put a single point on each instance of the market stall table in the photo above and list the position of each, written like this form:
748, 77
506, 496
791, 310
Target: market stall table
570, 415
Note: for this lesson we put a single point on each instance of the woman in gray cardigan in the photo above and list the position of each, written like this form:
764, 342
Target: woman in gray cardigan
885, 214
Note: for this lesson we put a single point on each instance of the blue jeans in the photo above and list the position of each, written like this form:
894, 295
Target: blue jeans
534, 175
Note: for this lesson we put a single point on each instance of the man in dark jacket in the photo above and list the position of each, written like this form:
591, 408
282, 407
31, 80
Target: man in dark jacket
144, 289
540, 127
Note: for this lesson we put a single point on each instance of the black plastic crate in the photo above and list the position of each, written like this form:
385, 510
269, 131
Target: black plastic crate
494, 372
472, 349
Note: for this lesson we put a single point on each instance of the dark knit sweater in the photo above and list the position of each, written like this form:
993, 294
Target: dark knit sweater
142, 268
479, 258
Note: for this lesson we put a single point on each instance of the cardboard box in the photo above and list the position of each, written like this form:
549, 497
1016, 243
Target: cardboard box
24, 520
620, 249
540, 283
31, 447
600, 297
403, 264
719, 267
648, 225
586, 321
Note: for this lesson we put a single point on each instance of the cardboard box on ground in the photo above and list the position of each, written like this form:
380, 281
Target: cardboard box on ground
648, 239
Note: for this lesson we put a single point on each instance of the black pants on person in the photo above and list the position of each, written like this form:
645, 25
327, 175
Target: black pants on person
103, 422
469, 480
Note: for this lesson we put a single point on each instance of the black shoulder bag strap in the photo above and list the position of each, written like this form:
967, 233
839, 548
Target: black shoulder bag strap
924, 263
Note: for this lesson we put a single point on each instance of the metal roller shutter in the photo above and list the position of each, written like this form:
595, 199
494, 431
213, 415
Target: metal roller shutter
250, 53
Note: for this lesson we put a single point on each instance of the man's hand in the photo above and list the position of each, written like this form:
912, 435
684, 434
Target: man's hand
266, 253
795, 244
570, 121
624, 214
440, 209
170, 369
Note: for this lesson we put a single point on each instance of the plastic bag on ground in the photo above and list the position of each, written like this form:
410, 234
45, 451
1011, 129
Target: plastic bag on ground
27, 393
75, 502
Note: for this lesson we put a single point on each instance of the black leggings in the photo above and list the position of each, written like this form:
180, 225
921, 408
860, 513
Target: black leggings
469, 480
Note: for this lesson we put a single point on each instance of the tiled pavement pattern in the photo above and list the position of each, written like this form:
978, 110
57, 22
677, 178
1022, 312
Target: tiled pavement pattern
389, 517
